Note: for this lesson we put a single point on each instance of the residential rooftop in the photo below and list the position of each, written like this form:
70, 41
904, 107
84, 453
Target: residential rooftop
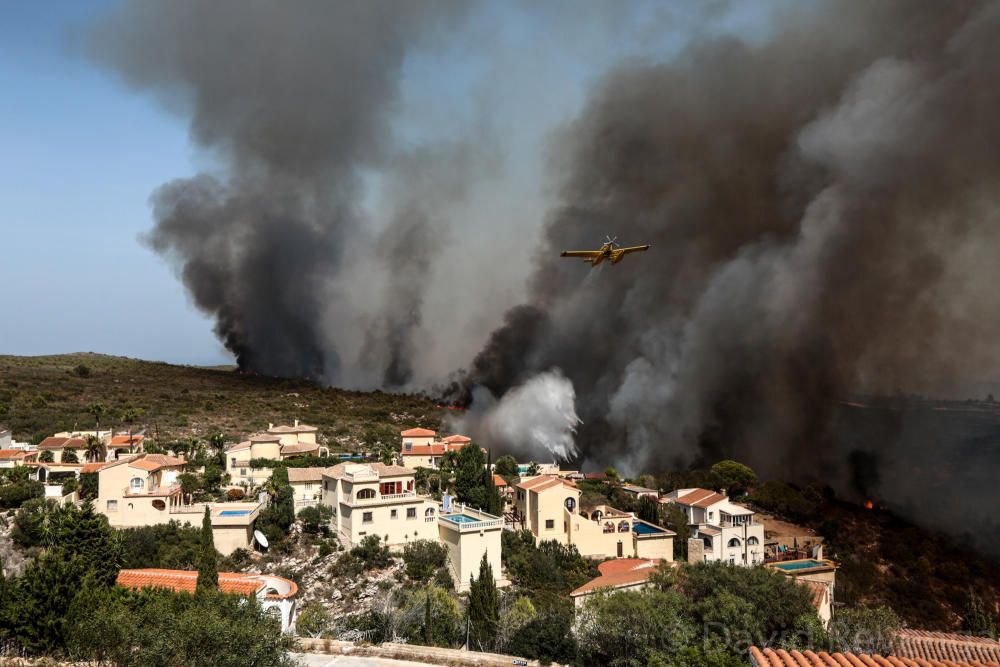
946, 646
782, 658
619, 573
418, 433
187, 580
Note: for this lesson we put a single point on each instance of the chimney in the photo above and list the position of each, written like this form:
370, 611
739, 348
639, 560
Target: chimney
270, 426
296, 422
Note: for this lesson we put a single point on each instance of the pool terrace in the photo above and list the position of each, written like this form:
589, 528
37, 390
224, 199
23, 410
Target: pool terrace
467, 519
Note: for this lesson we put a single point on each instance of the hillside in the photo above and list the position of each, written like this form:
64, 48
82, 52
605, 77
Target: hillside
41, 395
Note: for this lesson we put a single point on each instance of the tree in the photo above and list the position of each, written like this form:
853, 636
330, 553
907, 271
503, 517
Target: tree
430, 616
372, 553
208, 566
46, 456
864, 630
218, 442
507, 468
676, 520
40, 601
977, 619
130, 415
613, 477
484, 609
313, 620
491, 497
316, 520
533, 469
423, 558
547, 638
94, 451
98, 410
69, 456
649, 510
469, 478
735, 477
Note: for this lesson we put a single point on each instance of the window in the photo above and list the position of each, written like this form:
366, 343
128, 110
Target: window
411, 512
112, 505
137, 483
429, 511
550, 524
366, 517
734, 543
232, 462
243, 472
570, 504
393, 514
409, 446
623, 527
753, 541
366, 494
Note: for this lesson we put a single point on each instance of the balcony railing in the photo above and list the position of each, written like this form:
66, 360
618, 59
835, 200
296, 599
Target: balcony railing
386, 498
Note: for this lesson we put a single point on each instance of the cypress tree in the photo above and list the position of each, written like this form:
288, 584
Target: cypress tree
428, 633
208, 568
484, 608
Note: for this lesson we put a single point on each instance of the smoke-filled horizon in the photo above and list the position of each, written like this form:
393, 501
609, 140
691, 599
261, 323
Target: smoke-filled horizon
820, 197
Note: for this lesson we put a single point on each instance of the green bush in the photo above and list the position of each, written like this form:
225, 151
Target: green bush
372, 554
16, 494
423, 558
316, 520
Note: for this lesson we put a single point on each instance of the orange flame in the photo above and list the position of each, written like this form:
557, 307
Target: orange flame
869, 505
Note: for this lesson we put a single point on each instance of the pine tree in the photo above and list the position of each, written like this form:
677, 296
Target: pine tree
428, 629
491, 498
208, 569
977, 619
484, 609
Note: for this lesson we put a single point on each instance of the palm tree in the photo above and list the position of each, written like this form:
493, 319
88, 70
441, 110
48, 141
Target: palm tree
94, 449
129, 416
218, 442
98, 410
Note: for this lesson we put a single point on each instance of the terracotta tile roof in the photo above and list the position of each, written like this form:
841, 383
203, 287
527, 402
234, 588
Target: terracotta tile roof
186, 580
456, 440
62, 443
418, 433
700, 498
339, 471
15, 454
126, 440
632, 488
299, 448
630, 572
819, 591
238, 446
543, 482
595, 475
944, 646
265, 437
153, 462
782, 658
92, 467
498, 480
305, 474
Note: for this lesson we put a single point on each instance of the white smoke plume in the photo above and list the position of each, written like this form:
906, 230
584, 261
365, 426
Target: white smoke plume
533, 421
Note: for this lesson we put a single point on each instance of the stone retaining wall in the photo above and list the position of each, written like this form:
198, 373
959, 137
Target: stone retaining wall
436, 656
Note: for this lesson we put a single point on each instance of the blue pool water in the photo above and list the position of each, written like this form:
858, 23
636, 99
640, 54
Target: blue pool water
645, 529
234, 512
460, 518
799, 565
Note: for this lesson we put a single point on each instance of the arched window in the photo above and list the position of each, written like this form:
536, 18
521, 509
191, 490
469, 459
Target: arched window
137, 483
584, 515
570, 504
159, 505
429, 511
753, 541
735, 542
596, 516
623, 527
366, 494
609, 527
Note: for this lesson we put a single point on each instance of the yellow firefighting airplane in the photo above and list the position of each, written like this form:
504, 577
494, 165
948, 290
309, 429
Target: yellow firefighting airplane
609, 251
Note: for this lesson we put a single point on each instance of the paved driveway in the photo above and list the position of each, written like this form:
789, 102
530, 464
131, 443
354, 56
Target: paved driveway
320, 660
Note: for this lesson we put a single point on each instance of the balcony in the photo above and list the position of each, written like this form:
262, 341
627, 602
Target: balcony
159, 491
380, 499
467, 520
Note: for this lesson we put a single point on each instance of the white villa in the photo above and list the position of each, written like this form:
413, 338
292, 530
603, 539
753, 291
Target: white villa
278, 443
420, 447
721, 530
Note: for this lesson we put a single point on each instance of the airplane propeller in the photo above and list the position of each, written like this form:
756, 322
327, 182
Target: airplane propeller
610, 240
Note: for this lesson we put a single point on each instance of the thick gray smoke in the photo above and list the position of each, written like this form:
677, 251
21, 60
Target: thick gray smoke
823, 213
291, 106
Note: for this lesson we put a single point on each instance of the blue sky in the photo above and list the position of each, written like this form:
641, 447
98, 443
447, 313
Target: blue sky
81, 154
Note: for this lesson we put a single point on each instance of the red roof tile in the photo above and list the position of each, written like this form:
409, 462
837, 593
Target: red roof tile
456, 440
631, 572
62, 443
418, 433
186, 580
134, 439
924, 645
700, 498
15, 454
498, 480
782, 658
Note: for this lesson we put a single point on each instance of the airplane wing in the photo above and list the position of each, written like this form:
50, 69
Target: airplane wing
588, 254
635, 248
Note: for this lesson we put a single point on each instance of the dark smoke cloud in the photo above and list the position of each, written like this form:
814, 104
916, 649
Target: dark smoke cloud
291, 105
823, 209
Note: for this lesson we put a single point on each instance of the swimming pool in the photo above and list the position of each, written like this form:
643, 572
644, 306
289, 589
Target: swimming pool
461, 518
645, 529
234, 512
806, 564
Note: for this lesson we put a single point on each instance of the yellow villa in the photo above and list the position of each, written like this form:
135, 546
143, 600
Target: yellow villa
278, 443
377, 499
549, 506
144, 490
